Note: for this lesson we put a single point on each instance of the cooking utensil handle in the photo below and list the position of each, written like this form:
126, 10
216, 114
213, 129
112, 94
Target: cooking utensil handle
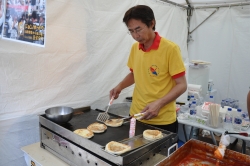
171, 147
139, 114
126, 118
111, 100
107, 109
241, 133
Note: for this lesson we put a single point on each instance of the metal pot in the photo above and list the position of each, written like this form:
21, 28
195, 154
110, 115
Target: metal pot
59, 114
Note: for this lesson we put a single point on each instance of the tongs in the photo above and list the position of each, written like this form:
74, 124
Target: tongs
103, 117
242, 133
133, 116
138, 116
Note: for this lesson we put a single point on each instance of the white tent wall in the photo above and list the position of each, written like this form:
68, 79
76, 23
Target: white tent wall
85, 55
224, 41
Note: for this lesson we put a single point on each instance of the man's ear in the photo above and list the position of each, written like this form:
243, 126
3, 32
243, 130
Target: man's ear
152, 23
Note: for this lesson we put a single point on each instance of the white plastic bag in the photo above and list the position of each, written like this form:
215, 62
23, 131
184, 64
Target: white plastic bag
224, 142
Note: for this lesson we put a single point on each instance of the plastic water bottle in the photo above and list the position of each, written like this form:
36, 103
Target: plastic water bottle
222, 103
226, 102
228, 120
245, 121
211, 99
237, 120
231, 104
193, 111
236, 104
191, 100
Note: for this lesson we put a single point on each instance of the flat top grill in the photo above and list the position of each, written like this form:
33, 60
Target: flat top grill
94, 146
84, 119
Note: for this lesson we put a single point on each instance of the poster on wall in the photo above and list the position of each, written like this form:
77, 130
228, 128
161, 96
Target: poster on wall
25, 21
1, 16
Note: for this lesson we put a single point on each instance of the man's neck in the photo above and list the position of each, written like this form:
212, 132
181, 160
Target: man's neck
148, 44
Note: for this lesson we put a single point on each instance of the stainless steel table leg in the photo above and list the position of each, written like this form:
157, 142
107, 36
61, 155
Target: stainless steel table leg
243, 150
212, 135
185, 133
191, 132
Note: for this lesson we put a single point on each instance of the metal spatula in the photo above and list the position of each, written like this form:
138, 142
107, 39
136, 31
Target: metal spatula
102, 117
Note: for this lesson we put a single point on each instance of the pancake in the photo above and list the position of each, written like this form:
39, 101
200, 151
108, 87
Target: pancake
114, 122
84, 133
97, 127
152, 135
116, 147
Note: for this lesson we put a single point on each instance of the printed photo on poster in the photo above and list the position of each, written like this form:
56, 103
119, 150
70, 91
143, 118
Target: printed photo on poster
25, 21
1, 16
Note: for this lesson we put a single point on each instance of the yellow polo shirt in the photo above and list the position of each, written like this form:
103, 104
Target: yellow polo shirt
153, 71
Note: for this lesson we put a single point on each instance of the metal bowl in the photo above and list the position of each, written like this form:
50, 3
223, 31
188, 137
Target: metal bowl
59, 114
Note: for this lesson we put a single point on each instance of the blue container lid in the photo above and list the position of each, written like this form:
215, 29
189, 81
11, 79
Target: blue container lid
238, 110
229, 109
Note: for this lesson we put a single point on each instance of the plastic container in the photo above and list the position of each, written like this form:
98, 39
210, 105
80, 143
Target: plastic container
210, 85
191, 100
211, 99
245, 121
132, 127
228, 120
223, 103
184, 108
199, 76
230, 103
237, 121
193, 112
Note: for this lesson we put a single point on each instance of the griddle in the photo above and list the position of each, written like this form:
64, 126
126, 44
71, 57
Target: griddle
82, 118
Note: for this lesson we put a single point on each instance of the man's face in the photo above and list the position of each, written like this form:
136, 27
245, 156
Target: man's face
41, 20
139, 31
21, 2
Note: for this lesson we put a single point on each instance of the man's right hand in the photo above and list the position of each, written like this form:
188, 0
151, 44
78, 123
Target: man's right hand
115, 92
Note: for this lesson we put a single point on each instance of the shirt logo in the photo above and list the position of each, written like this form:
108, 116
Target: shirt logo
153, 71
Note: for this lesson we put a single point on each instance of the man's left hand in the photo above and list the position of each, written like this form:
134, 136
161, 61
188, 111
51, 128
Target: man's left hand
151, 110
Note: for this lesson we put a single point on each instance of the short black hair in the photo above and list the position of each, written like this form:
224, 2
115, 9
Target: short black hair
140, 12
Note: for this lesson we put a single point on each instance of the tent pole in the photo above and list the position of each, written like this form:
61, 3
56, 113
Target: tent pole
203, 21
189, 14
188, 3
176, 4
220, 6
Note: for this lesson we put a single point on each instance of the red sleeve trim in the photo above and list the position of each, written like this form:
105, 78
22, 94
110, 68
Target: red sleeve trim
178, 75
131, 70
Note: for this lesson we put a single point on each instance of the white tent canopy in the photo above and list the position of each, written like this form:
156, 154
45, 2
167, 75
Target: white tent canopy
86, 51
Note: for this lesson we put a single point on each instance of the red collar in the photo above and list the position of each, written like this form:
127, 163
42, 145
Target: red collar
155, 44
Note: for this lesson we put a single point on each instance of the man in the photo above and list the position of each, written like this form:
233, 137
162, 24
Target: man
248, 102
21, 2
156, 69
